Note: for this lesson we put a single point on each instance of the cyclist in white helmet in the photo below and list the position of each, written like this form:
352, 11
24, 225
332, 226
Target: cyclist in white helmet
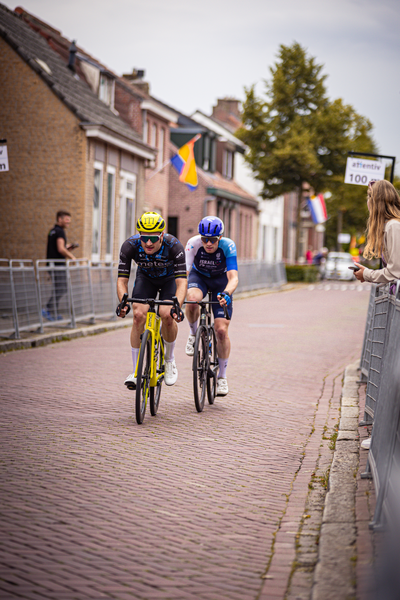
211, 261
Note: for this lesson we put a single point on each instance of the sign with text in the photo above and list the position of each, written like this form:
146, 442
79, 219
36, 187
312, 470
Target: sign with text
361, 171
344, 238
3, 158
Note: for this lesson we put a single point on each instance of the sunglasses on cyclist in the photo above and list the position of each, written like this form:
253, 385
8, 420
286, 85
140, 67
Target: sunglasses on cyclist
209, 239
153, 238
371, 183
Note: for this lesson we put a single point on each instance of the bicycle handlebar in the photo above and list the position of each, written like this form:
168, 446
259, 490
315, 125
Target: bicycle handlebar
151, 301
203, 303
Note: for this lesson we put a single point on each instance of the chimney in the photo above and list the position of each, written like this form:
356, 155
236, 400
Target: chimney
136, 79
72, 51
226, 107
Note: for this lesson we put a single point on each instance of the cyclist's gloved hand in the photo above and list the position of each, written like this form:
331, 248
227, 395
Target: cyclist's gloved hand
180, 314
119, 308
226, 297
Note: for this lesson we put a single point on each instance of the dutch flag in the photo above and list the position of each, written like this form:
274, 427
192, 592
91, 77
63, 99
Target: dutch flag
316, 204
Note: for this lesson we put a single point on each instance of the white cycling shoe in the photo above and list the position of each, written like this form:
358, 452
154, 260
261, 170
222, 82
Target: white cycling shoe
171, 372
190, 345
130, 382
222, 386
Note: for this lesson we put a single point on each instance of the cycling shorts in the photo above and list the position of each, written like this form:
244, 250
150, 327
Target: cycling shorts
144, 287
216, 285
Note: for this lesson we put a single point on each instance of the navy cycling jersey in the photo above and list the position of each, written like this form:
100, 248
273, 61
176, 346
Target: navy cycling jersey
167, 263
222, 260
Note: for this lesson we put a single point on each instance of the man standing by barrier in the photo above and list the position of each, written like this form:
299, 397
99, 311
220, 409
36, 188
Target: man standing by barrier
211, 261
58, 250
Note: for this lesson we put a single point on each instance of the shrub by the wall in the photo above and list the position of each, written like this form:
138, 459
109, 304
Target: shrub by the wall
306, 273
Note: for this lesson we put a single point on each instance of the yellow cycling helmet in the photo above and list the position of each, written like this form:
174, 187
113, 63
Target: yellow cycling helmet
150, 222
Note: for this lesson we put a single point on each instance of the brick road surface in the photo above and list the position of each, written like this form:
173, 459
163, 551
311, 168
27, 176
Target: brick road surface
187, 506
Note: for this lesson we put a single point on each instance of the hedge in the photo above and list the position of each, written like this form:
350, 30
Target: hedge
307, 273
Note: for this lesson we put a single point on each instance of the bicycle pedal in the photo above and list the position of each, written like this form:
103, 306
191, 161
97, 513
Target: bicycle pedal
131, 386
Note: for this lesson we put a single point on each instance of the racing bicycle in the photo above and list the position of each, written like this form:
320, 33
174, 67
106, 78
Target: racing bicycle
151, 361
205, 358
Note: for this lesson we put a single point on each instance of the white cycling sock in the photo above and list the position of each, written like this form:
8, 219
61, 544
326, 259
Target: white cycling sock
169, 350
193, 327
135, 354
223, 363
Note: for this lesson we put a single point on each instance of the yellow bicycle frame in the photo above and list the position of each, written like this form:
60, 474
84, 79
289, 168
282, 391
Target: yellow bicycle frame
153, 325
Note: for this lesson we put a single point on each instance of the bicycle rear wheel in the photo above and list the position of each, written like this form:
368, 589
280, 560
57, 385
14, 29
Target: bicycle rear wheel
155, 392
200, 366
143, 377
213, 366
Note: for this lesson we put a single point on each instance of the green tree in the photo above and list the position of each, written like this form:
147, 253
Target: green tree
298, 136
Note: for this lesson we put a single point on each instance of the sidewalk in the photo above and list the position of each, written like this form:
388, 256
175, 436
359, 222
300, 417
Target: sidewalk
346, 544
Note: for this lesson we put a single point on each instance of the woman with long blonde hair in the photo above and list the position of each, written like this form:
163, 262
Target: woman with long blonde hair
383, 233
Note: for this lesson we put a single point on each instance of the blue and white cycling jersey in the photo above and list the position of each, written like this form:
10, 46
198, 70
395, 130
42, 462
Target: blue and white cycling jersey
222, 260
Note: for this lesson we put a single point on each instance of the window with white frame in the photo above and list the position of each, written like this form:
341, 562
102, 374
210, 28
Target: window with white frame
97, 206
110, 212
127, 205
207, 149
106, 89
227, 164
153, 134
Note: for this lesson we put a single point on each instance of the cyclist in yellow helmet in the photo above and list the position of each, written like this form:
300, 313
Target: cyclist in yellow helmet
161, 267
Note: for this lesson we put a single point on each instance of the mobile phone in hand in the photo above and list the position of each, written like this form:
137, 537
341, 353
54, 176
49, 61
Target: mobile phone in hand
354, 268
73, 246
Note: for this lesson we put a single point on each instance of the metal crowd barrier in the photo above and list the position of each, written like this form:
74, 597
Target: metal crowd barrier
81, 291
76, 291
375, 347
383, 404
386, 417
7, 304
62, 294
54, 287
366, 347
103, 278
19, 301
256, 274
391, 491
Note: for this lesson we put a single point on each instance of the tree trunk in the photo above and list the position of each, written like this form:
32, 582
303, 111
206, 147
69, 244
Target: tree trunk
339, 227
298, 220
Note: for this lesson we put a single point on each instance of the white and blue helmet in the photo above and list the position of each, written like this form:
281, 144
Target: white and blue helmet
211, 227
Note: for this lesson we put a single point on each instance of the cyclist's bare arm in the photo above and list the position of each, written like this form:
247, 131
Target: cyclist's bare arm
181, 288
122, 288
233, 281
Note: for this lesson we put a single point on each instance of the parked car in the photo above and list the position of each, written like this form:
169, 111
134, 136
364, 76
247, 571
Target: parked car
337, 266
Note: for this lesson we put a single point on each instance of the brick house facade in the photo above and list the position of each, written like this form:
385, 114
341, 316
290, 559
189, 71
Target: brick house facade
213, 196
152, 120
67, 150
222, 195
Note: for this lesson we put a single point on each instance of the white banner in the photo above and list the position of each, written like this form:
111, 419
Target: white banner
344, 238
360, 171
3, 158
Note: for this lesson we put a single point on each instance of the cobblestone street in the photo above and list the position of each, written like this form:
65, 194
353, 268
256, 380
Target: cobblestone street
186, 506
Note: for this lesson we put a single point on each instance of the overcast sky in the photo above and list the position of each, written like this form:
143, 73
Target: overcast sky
195, 51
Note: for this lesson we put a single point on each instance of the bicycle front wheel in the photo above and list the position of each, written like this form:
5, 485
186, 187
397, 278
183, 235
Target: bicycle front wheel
143, 377
200, 366
155, 392
213, 366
